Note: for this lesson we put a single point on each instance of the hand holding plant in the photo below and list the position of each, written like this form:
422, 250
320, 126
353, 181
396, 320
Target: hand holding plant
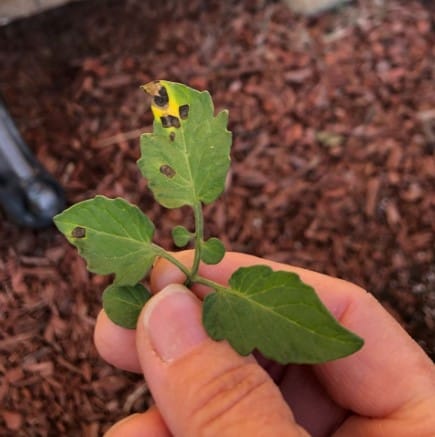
203, 387
185, 161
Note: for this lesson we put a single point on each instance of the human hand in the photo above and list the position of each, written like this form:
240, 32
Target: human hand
203, 387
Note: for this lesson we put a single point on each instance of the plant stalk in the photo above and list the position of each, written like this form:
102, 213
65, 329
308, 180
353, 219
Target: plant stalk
190, 278
209, 283
199, 236
167, 255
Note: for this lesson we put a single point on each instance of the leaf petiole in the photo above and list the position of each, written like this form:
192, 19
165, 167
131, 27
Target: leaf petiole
209, 283
190, 277
199, 236
159, 251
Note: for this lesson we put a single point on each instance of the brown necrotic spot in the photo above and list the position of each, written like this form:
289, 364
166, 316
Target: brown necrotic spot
167, 170
172, 136
166, 122
183, 110
170, 121
78, 232
161, 98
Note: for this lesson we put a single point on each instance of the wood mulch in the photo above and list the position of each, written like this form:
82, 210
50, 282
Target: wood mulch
333, 167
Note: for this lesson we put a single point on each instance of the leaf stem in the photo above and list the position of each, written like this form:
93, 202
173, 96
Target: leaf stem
209, 283
167, 255
190, 278
199, 236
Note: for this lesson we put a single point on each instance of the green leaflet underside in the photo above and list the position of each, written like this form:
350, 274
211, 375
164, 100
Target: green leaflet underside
181, 236
123, 304
186, 157
112, 235
277, 314
213, 251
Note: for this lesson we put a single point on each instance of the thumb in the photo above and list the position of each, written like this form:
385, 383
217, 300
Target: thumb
203, 387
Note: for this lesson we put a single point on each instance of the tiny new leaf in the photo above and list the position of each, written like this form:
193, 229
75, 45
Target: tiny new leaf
181, 236
212, 251
276, 313
112, 235
123, 303
186, 158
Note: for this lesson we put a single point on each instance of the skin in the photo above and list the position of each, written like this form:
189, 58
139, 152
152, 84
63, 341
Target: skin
205, 388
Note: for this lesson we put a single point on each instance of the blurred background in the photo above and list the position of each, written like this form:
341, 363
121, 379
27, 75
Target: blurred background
333, 117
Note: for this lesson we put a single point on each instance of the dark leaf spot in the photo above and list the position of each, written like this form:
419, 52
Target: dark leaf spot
165, 121
163, 92
172, 136
183, 110
175, 121
78, 232
162, 98
167, 170
170, 121
160, 101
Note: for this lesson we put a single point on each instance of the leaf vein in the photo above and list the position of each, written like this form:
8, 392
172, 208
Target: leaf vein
286, 319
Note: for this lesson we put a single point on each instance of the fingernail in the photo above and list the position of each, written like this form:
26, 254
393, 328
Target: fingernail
172, 319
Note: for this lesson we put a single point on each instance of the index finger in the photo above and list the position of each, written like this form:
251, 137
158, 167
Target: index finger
390, 371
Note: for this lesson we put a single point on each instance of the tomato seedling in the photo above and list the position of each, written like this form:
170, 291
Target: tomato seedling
185, 160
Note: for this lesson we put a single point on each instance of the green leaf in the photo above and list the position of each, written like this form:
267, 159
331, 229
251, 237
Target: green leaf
212, 251
123, 304
112, 235
276, 313
186, 158
181, 236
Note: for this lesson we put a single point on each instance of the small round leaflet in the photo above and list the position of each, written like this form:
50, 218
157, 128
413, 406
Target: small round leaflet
123, 304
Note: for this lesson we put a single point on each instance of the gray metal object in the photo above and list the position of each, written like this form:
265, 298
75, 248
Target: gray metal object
29, 195
13, 9
312, 7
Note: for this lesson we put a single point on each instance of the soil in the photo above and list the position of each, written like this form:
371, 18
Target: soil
333, 169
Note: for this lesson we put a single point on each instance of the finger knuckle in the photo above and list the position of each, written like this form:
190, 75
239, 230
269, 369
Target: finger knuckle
224, 397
